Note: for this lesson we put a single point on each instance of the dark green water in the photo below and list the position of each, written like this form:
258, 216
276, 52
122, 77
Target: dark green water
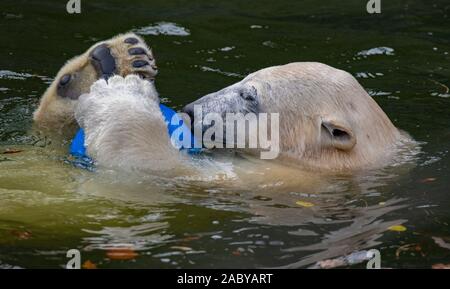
48, 207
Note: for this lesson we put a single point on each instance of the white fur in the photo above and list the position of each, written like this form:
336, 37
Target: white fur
124, 127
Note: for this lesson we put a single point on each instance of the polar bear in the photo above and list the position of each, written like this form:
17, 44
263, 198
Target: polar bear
326, 119
122, 55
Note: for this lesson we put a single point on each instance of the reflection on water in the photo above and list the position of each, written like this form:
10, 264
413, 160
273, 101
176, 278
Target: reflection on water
163, 28
276, 216
169, 220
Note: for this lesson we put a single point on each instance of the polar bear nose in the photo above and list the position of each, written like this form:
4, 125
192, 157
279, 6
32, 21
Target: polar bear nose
103, 61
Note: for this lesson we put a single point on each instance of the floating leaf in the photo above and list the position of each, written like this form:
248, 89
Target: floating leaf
409, 247
21, 235
397, 228
121, 254
89, 265
331, 263
190, 238
427, 180
441, 266
305, 204
12, 151
236, 253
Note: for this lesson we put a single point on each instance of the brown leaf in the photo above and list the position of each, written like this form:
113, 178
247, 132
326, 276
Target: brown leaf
427, 180
236, 253
121, 254
89, 265
331, 263
440, 266
409, 247
190, 238
12, 151
21, 235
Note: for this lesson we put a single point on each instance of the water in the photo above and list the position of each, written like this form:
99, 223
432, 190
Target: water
401, 57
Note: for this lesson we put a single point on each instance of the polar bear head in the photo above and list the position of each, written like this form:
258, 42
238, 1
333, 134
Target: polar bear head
327, 120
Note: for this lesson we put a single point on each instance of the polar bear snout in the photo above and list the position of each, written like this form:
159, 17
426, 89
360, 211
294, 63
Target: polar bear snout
226, 118
237, 99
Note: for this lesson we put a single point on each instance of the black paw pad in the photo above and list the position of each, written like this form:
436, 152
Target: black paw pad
139, 63
65, 79
137, 51
103, 61
131, 40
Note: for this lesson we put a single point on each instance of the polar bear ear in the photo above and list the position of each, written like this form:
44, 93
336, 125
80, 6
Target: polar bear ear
337, 134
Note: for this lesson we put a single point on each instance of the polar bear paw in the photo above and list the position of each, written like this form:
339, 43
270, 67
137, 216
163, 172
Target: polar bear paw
114, 109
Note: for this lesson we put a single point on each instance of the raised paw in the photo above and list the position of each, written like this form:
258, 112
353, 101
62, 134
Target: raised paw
122, 55
133, 56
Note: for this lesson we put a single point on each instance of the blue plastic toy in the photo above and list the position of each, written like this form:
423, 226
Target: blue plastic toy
78, 149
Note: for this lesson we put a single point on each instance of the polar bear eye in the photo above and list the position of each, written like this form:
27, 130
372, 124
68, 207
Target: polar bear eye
65, 79
248, 94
